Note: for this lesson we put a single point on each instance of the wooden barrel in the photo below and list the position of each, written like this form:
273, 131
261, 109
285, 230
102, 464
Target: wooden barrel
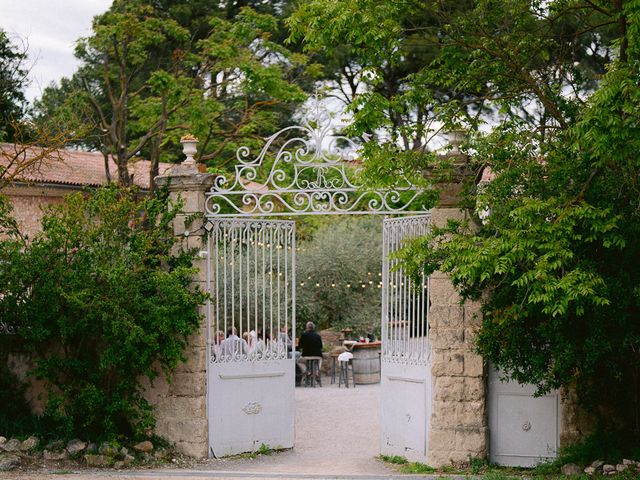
366, 363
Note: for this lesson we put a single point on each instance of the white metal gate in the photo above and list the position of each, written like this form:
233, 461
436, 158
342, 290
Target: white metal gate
251, 278
406, 370
525, 430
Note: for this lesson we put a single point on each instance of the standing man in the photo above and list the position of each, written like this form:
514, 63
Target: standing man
310, 345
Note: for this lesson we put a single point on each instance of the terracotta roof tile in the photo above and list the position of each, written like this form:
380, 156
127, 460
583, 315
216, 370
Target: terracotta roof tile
73, 167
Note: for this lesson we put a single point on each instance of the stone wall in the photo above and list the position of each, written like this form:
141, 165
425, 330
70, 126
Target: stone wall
181, 404
28, 202
458, 429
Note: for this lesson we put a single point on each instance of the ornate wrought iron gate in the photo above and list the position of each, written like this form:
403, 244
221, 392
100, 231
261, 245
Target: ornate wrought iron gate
308, 169
251, 383
406, 370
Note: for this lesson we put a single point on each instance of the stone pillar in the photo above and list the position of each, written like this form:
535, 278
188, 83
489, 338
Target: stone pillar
181, 404
458, 430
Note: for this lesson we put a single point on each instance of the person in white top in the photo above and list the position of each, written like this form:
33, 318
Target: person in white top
233, 346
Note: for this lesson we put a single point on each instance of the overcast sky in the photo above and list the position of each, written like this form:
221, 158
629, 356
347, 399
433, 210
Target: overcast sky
49, 28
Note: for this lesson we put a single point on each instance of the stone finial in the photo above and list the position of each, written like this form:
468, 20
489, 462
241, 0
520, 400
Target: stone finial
189, 148
456, 138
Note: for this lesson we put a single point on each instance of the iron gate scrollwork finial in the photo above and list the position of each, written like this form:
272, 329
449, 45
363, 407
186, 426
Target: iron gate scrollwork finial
307, 169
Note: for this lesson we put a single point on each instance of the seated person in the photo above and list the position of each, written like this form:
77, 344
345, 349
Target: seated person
233, 346
310, 345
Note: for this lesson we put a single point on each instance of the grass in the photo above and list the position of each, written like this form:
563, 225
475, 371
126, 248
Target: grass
263, 449
487, 471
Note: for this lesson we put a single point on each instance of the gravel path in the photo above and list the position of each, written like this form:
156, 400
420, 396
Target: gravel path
337, 432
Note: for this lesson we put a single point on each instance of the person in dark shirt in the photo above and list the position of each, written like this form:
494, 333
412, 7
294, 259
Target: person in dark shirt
310, 345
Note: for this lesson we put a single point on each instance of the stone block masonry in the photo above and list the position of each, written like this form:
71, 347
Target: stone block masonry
181, 404
458, 429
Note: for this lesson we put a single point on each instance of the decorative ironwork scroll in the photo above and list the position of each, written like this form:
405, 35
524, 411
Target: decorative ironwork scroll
306, 169
6, 329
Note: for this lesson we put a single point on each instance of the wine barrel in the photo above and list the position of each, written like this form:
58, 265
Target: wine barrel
366, 363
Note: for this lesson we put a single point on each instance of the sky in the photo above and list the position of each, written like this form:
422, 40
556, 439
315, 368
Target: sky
49, 28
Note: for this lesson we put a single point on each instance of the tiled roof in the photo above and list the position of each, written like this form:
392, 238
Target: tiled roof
73, 167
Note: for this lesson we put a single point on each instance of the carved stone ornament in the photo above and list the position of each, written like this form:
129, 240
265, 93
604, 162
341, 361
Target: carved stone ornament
252, 408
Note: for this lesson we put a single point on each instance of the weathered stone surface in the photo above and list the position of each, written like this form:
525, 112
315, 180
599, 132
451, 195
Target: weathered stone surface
475, 390
145, 446
12, 445
124, 451
473, 365
96, 460
29, 444
444, 338
446, 316
128, 460
589, 470
473, 441
446, 363
621, 467
118, 465
54, 446
449, 388
49, 455
9, 462
76, 446
626, 461
188, 384
3, 440
192, 430
597, 464
193, 449
571, 469
196, 360
107, 449
608, 468
179, 407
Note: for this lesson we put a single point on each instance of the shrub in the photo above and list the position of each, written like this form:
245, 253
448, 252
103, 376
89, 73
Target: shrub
99, 300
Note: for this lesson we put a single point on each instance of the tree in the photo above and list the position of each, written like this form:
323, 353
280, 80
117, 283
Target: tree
99, 300
228, 87
13, 79
555, 262
338, 276
123, 63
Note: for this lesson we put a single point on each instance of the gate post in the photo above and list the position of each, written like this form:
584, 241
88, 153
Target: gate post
458, 430
181, 406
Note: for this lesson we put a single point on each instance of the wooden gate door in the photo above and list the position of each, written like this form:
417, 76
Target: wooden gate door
251, 380
406, 370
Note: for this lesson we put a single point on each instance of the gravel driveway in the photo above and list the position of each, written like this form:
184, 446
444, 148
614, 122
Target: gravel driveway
337, 432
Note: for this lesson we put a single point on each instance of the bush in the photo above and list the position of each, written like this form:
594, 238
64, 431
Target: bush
99, 300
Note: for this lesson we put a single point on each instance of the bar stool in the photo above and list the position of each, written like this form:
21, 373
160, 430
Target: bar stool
344, 360
313, 371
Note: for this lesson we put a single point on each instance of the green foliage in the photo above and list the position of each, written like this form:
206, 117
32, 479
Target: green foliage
146, 80
556, 259
337, 275
13, 80
100, 301
556, 84
395, 459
